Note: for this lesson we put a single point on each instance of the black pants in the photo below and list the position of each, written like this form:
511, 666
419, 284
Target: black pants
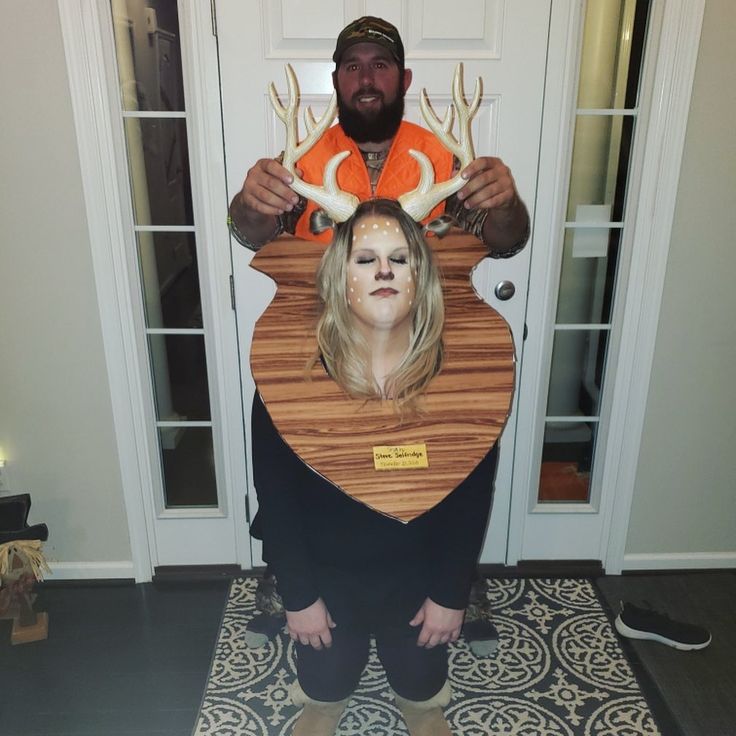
383, 607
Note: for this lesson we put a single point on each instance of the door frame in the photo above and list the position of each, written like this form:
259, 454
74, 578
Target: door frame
89, 48
667, 77
680, 23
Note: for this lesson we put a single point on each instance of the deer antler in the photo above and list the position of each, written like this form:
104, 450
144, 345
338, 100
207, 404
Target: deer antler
427, 195
339, 205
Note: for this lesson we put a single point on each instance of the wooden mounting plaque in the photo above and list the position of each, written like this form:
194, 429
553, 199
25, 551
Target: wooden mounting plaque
463, 412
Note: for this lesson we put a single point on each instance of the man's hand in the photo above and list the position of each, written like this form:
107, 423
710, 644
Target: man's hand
265, 195
311, 626
490, 185
266, 189
439, 624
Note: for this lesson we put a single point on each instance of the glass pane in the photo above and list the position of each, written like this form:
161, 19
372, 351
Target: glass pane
578, 358
588, 275
613, 42
168, 264
159, 171
179, 370
148, 54
600, 163
188, 461
567, 456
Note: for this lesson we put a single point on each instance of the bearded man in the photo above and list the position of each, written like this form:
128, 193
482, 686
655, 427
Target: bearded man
371, 81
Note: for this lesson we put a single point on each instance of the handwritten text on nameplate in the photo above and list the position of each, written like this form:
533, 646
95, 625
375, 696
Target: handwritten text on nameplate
400, 457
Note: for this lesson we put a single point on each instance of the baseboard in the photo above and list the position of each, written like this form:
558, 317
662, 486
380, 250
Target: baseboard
680, 561
545, 568
194, 573
91, 570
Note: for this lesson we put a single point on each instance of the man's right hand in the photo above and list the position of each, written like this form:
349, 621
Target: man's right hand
311, 626
266, 189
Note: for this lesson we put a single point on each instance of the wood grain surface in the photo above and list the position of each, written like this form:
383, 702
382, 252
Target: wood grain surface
463, 412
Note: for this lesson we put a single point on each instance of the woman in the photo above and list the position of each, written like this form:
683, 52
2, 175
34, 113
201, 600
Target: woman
344, 571
380, 332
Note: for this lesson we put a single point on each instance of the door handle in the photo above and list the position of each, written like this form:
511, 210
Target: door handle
505, 290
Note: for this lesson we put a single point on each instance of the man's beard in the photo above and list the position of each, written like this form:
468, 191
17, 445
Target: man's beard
371, 129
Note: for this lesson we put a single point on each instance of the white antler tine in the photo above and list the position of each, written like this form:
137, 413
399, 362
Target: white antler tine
330, 177
426, 170
278, 108
414, 202
449, 119
339, 205
458, 91
315, 128
428, 113
293, 86
477, 95
309, 121
425, 197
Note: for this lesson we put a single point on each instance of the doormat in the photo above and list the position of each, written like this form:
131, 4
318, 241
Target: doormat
558, 671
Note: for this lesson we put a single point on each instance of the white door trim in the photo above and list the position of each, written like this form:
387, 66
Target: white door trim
560, 92
95, 126
207, 171
681, 24
669, 66
103, 166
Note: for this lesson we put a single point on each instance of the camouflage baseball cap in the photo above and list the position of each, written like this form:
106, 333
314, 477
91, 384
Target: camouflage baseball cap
369, 29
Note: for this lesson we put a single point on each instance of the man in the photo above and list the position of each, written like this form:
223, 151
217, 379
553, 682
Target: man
371, 81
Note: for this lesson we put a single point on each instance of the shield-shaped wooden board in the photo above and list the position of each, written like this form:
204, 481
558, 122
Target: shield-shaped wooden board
463, 413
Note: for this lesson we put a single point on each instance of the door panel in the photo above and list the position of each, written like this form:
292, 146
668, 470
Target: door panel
504, 43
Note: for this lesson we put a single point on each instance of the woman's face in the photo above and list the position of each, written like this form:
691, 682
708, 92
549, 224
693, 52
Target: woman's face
380, 286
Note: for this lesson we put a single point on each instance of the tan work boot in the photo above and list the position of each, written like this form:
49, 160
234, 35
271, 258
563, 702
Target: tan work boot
425, 717
318, 718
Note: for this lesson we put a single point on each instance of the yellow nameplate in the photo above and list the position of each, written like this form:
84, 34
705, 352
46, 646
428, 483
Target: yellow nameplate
400, 457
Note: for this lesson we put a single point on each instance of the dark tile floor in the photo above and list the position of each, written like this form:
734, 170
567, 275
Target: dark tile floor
700, 686
125, 660
120, 660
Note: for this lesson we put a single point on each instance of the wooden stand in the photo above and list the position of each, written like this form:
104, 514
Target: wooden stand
16, 602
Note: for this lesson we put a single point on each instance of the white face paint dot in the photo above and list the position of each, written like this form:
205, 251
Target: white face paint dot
375, 226
362, 226
355, 278
351, 290
388, 222
358, 298
365, 237
385, 232
355, 237
397, 229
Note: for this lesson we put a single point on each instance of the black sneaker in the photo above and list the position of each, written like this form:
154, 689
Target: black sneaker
646, 623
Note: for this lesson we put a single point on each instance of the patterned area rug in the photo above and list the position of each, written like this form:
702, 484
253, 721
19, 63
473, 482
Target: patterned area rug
558, 671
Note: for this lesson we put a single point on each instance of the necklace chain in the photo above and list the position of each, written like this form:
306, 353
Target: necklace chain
374, 161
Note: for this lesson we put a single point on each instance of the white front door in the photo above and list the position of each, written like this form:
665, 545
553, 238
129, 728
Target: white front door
504, 43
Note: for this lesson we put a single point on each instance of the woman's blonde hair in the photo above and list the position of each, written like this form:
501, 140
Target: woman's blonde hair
342, 347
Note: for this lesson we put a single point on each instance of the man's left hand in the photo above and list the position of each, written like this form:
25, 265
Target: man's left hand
440, 625
490, 185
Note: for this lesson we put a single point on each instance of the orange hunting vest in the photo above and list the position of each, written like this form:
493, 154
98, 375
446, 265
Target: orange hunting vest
400, 172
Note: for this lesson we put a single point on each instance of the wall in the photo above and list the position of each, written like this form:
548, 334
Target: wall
685, 492
56, 427
55, 417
